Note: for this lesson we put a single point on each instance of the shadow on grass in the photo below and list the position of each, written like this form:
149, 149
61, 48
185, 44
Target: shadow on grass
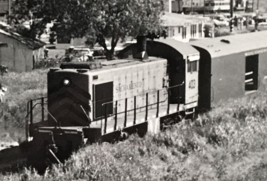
13, 159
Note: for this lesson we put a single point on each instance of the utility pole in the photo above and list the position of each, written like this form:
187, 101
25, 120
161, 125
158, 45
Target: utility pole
9, 7
258, 4
231, 16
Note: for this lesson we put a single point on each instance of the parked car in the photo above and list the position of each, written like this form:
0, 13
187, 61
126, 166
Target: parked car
220, 23
262, 26
80, 54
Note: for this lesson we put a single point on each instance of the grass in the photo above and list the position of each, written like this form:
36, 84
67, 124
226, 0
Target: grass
228, 143
21, 88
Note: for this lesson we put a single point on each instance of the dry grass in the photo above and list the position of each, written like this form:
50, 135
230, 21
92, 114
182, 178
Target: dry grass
21, 88
228, 143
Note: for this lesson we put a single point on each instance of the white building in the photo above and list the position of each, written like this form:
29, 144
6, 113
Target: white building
224, 5
21, 53
193, 5
184, 27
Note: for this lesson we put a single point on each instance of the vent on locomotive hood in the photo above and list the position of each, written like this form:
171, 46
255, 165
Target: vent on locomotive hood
141, 52
81, 65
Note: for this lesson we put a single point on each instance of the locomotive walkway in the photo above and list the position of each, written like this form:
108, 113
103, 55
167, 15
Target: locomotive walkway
124, 121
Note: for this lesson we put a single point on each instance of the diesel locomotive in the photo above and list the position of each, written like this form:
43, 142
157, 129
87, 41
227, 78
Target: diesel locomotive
145, 90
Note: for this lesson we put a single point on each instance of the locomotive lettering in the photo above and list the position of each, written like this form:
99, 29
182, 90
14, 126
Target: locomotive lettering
192, 84
130, 86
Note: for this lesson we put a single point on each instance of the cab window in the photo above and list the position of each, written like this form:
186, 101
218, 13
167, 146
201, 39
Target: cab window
192, 66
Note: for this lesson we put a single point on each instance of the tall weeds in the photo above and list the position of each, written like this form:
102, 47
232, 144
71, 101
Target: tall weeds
227, 143
21, 88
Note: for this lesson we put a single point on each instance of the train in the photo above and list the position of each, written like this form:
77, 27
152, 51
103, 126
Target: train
153, 84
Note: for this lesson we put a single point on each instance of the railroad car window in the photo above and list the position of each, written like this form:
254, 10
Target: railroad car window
192, 66
251, 73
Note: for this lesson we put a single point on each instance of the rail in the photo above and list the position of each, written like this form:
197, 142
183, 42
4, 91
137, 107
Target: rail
39, 106
134, 110
34, 107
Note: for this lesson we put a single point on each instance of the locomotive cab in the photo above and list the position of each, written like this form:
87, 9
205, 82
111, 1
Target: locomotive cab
191, 82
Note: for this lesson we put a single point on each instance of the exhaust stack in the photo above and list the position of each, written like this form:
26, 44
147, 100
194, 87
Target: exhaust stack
141, 48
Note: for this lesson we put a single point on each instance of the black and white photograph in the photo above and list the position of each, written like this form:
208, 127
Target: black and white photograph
133, 90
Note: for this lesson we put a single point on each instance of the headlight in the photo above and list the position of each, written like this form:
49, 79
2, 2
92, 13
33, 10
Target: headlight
66, 82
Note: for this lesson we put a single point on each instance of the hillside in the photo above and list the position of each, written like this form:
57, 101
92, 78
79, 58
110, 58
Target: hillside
21, 87
229, 143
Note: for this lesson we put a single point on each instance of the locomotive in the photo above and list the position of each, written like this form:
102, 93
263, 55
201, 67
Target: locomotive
145, 90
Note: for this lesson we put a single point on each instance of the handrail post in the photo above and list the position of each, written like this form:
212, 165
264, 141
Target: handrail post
116, 112
125, 113
31, 112
42, 104
178, 105
134, 110
27, 123
106, 118
146, 106
168, 103
157, 114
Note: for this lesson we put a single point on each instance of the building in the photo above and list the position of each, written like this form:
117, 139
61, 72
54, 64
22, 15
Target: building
177, 6
183, 27
193, 6
22, 53
168, 5
249, 6
224, 5
5, 6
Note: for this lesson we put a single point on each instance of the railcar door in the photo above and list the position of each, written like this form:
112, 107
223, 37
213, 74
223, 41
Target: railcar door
103, 97
191, 80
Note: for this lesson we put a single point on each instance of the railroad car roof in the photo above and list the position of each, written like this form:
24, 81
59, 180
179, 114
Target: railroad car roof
183, 48
232, 44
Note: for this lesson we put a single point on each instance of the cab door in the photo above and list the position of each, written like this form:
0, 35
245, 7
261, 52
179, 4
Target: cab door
191, 79
103, 94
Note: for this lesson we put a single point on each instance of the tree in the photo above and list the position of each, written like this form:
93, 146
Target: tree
99, 21
35, 13
52, 37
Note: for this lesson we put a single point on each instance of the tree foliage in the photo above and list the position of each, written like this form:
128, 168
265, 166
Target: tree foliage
97, 20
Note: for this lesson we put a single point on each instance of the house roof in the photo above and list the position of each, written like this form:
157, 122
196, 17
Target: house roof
232, 44
29, 42
174, 19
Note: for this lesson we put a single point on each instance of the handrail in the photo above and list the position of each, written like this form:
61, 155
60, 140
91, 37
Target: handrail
178, 85
145, 106
32, 108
